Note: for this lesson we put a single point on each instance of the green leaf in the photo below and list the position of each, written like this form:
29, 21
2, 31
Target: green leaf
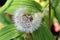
5, 19
18, 3
19, 38
43, 33
58, 12
5, 6
56, 7
1, 19
8, 32
54, 3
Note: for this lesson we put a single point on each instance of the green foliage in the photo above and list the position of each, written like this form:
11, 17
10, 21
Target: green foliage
43, 33
56, 7
8, 32
7, 4
18, 3
11, 33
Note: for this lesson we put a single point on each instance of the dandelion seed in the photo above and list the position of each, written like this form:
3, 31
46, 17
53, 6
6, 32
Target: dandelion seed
25, 21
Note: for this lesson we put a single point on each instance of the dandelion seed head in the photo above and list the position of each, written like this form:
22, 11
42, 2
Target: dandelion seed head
25, 21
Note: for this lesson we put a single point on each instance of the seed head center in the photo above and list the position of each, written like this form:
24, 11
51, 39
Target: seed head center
28, 16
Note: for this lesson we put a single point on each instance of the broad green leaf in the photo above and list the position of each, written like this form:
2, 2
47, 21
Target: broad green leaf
18, 3
5, 6
58, 12
56, 7
1, 19
9, 35
43, 33
8, 32
5, 19
19, 38
54, 3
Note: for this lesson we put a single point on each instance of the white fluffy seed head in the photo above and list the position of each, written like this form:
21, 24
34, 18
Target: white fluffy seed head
27, 21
